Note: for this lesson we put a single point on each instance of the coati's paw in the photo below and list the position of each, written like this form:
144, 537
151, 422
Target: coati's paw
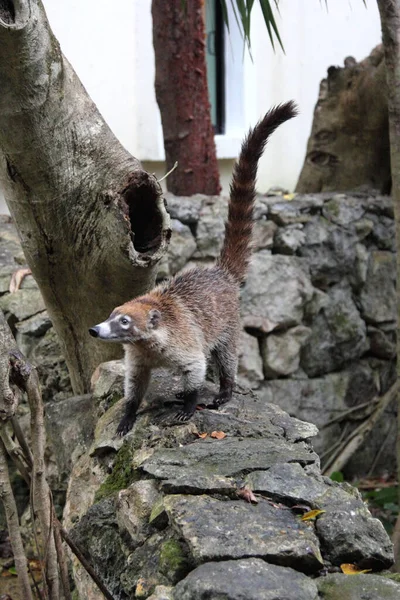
221, 399
125, 425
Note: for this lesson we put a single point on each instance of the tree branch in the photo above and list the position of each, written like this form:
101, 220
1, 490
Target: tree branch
10, 508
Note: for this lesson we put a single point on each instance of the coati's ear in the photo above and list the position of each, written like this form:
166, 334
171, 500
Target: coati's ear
154, 318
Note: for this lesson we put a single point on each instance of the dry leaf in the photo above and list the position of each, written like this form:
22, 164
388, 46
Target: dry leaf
17, 278
289, 196
202, 435
246, 493
349, 569
35, 564
219, 435
312, 514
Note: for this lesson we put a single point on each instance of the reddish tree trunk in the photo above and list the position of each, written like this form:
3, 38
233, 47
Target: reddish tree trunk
182, 96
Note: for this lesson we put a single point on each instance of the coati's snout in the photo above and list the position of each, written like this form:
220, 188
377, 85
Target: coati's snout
127, 328
94, 331
117, 328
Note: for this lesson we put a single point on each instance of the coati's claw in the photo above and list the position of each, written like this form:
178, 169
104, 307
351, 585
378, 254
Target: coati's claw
220, 400
182, 416
124, 426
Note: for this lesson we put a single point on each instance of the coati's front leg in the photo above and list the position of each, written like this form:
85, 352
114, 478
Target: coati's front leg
194, 373
225, 356
137, 377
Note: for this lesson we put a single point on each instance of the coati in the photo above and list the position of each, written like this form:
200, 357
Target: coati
182, 323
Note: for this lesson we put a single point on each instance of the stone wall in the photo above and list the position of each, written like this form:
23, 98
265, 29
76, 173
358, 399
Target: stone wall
318, 308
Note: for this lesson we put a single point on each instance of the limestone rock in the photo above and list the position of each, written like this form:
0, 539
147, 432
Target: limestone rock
263, 234
250, 368
342, 209
51, 367
210, 229
185, 208
217, 530
338, 335
108, 380
245, 579
380, 344
276, 292
281, 351
337, 586
378, 296
289, 239
30, 330
22, 304
70, 426
182, 246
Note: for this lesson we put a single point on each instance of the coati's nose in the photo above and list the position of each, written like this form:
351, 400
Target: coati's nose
94, 331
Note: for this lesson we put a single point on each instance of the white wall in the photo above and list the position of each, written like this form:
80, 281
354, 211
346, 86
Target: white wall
110, 47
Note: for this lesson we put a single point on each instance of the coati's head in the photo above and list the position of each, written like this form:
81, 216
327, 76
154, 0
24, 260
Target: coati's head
129, 323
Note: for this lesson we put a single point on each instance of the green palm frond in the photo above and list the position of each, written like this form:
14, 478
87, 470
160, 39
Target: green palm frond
242, 11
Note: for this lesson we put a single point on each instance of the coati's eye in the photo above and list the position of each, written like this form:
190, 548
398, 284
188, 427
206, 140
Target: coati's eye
124, 321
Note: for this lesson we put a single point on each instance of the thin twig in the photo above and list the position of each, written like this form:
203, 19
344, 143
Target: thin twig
16, 455
22, 441
357, 437
10, 509
378, 454
348, 412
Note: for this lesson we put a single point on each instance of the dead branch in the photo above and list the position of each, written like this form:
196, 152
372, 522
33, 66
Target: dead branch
10, 508
357, 437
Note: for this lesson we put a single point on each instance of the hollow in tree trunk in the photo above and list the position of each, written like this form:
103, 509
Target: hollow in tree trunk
92, 222
182, 96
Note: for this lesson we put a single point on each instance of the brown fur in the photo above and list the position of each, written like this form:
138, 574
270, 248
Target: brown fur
182, 323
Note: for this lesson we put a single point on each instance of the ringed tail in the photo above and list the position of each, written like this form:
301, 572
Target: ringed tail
236, 249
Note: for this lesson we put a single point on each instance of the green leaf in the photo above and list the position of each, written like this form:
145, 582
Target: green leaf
225, 13
337, 476
270, 23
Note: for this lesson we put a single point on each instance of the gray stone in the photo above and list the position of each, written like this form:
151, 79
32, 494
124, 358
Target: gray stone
343, 210
250, 368
338, 335
210, 229
281, 351
245, 579
185, 208
289, 239
298, 210
70, 426
108, 379
162, 592
220, 530
53, 373
30, 330
337, 586
133, 509
331, 253
363, 228
263, 234
22, 304
182, 246
208, 465
346, 530
378, 296
383, 233
276, 292
379, 343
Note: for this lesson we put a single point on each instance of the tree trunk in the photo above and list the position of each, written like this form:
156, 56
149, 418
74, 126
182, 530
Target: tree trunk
92, 222
349, 141
182, 96
390, 22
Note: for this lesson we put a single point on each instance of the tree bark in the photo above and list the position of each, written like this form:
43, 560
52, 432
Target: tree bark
182, 96
348, 147
389, 11
92, 222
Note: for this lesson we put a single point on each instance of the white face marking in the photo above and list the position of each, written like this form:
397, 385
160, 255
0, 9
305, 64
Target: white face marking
104, 329
124, 321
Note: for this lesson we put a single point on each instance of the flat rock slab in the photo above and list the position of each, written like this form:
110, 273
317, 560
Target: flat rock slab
361, 587
248, 579
206, 464
347, 531
220, 530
